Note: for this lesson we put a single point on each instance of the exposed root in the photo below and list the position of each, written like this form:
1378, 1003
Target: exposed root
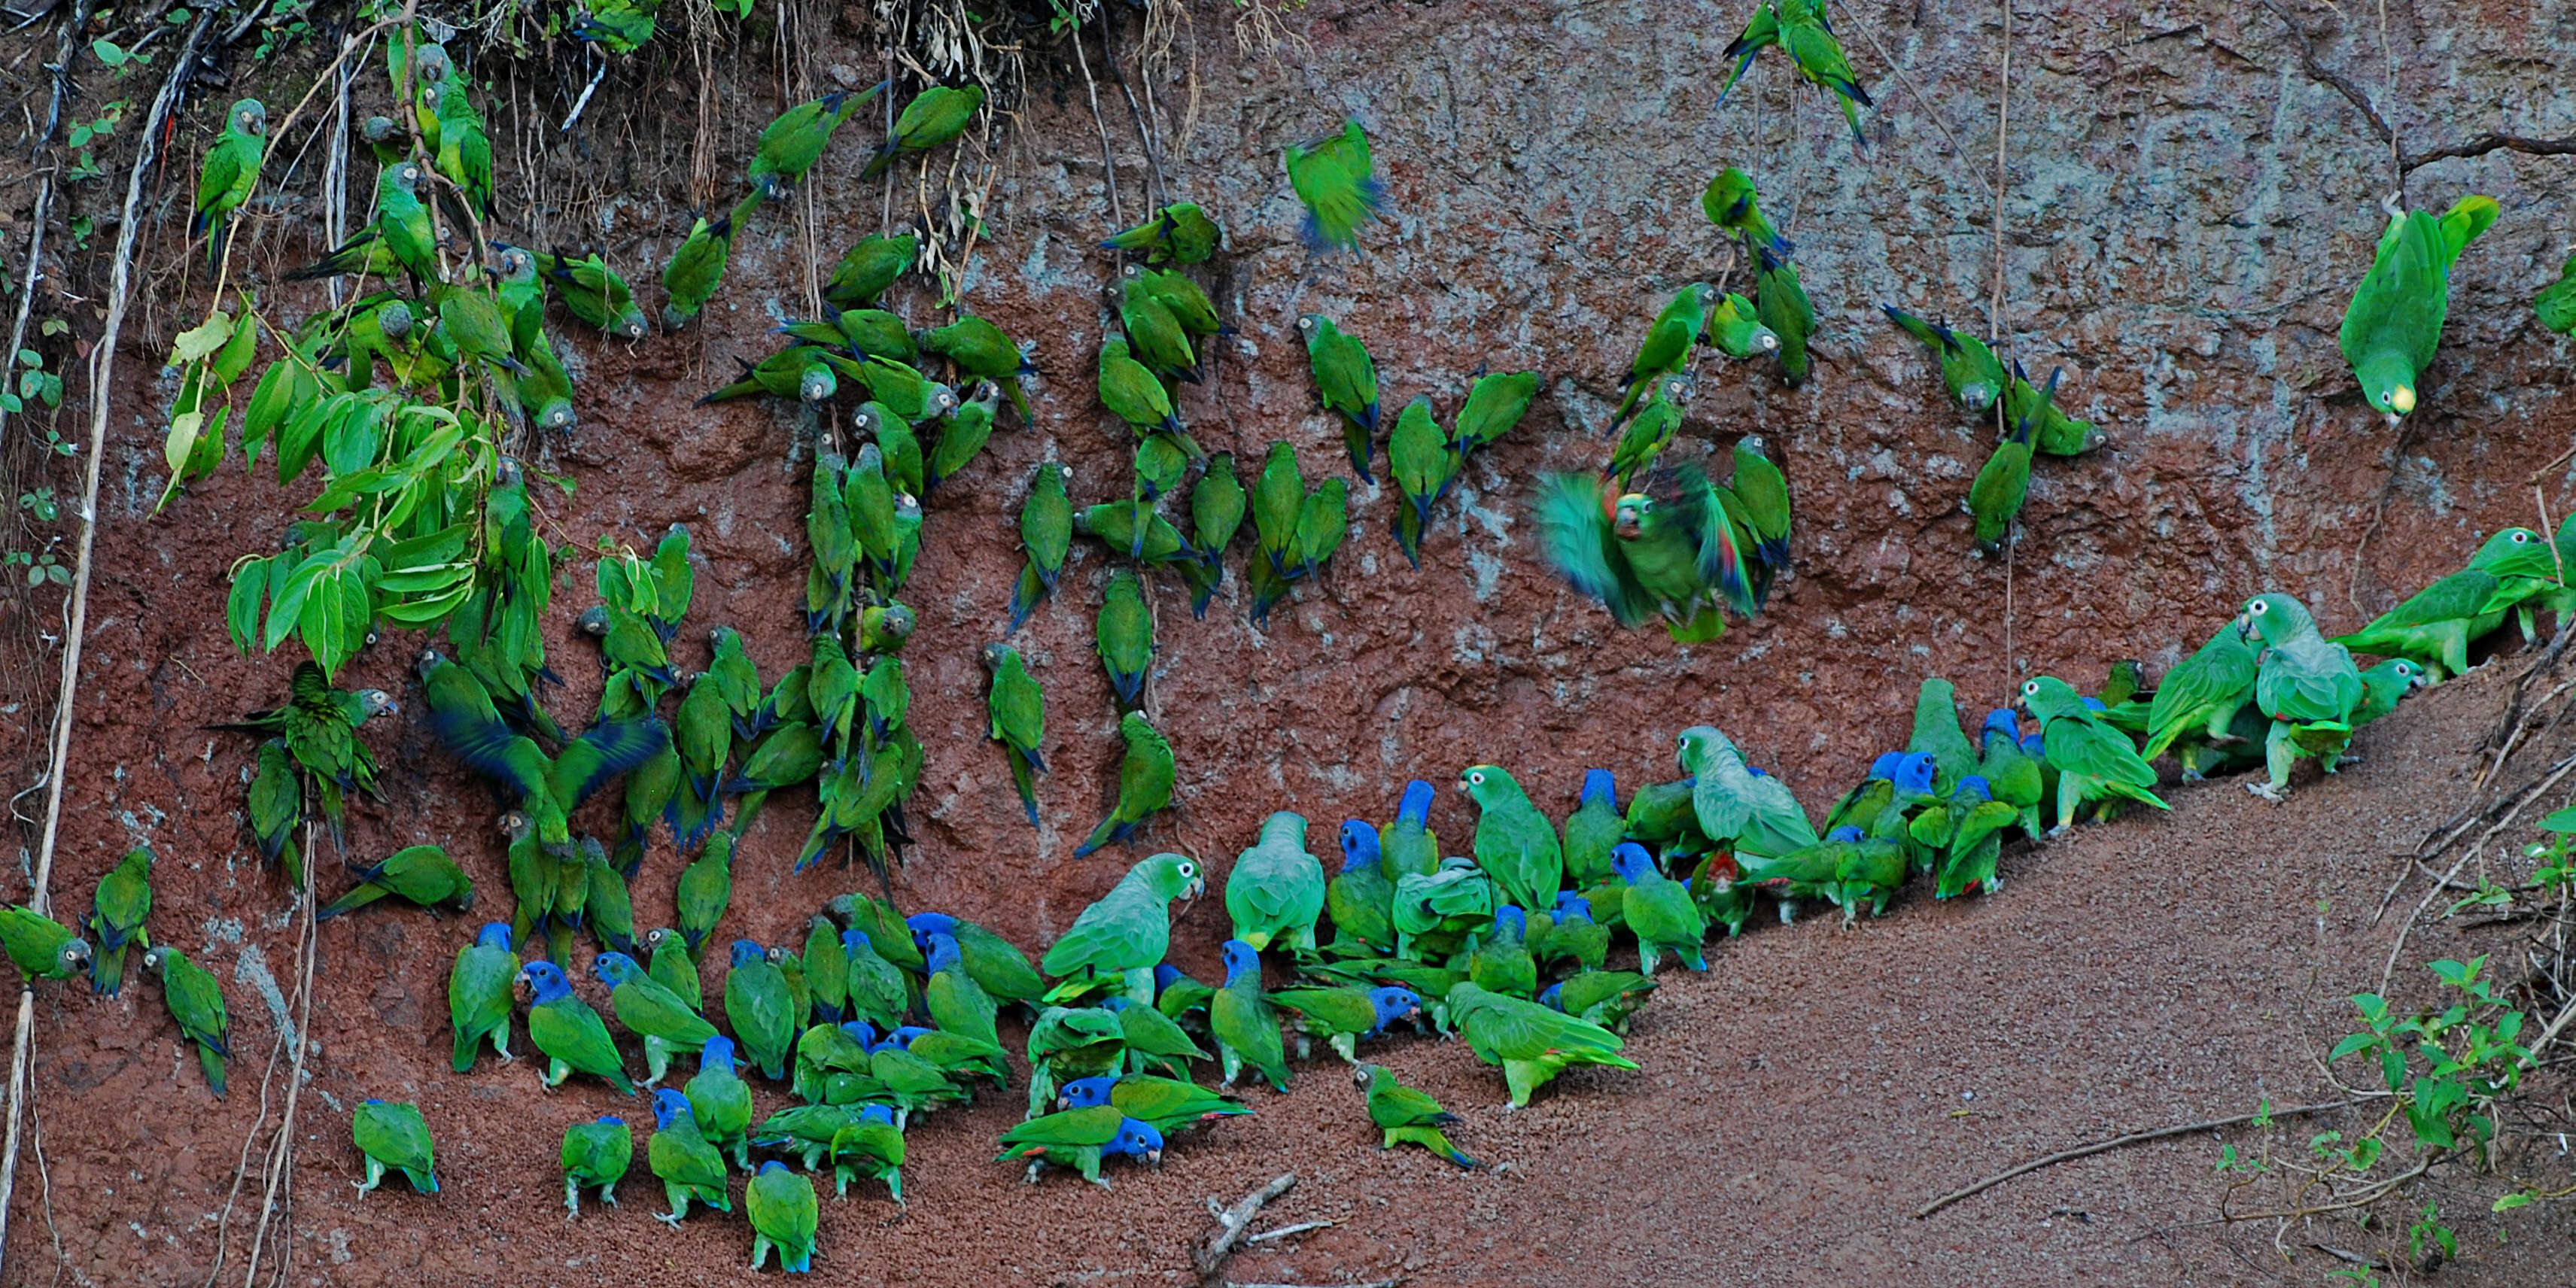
2119, 1142
1232, 1223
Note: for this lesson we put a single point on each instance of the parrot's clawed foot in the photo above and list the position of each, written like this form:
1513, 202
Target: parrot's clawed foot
1102, 1182
2391, 204
1031, 1178
2059, 830
671, 1219
2268, 792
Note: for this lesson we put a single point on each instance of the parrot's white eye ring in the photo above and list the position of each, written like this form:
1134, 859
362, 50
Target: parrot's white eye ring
2258, 607
1477, 778
1189, 869
2030, 688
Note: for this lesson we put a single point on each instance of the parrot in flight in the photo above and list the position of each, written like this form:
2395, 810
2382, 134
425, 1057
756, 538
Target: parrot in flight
1337, 180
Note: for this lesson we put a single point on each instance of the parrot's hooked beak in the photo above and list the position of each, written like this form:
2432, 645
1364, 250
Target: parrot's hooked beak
2244, 626
1154, 1156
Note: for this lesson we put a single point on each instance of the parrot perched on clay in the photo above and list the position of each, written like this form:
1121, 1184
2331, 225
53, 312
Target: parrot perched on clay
2094, 762
2196, 702
934, 118
479, 994
595, 1155
1179, 233
1801, 29
1667, 347
1531, 1043
1276, 889
1360, 897
1046, 532
568, 1032
1081, 1139
1970, 372
1737, 803
2434, 626
394, 1138
1407, 1116
118, 910
42, 947
1144, 783
1408, 845
1124, 637
869, 266
2306, 684
196, 1001
690, 1169
664, 1019
418, 874
790, 145
1244, 1023
783, 1215
1015, 707
1659, 912
2394, 323
1515, 844
1123, 934
1346, 383
1419, 459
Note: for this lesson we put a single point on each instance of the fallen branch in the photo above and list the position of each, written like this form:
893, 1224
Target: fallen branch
1231, 1224
2119, 1142
102, 372
1287, 1230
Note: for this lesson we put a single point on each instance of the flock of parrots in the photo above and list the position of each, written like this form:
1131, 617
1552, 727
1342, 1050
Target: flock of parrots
875, 1017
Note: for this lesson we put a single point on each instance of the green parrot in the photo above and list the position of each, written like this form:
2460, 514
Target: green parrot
472, 322
1780, 301
871, 1145
122, 903
230, 174
2053, 432
1186, 299
1651, 432
1046, 532
879, 992
1801, 29
1361, 897
996, 965
1124, 638
1323, 521
1276, 890
1144, 783
1731, 202
664, 1019
196, 1001
934, 118
464, 145
42, 947
868, 267
1734, 803
690, 1169
1603, 997
1531, 1043
705, 891
1068, 1044
783, 1214
1499, 958
2556, 303
420, 874
1407, 1116
1342, 1014
1154, 333
981, 349
2196, 702
1244, 1023
757, 1005
1970, 371
671, 966
2381, 688
1937, 733
1016, 709
608, 910
543, 391
860, 332
2434, 626
2003, 483
1179, 233
790, 145
1667, 551
1846, 868
2394, 324
594, 293
2305, 683
1129, 389
695, 269
1735, 328
1572, 935
1336, 179
1079, 1139
1659, 911
393, 1137
547, 788
1592, 829
1515, 843
1346, 381
595, 1156
568, 1032
1278, 502
1495, 404
1124, 934
1757, 500
963, 436
479, 998
618, 26
1433, 913
318, 725
1667, 346
402, 237
720, 1101
1408, 846
2093, 760
1218, 504
804, 372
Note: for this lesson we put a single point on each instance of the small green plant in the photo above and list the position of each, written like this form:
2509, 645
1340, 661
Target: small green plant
119, 60
288, 26
82, 226
41, 504
34, 384
87, 132
40, 568
2446, 1068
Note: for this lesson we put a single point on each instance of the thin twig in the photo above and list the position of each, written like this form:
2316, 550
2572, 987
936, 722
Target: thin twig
281, 1166
1232, 1222
2003, 179
1108, 163
102, 378
1287, 1230
1854, 18
2120, 1142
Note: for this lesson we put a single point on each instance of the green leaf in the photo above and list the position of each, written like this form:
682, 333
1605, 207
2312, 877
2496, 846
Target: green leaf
196, 345
283, 388
2511, 1201
343, 490
303, 434
335, 617
352, 441
241, 605
286, 607
435, 577
430, 611
2356, 1042
443, 546
2562, 821
2392, 1066
234, 358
